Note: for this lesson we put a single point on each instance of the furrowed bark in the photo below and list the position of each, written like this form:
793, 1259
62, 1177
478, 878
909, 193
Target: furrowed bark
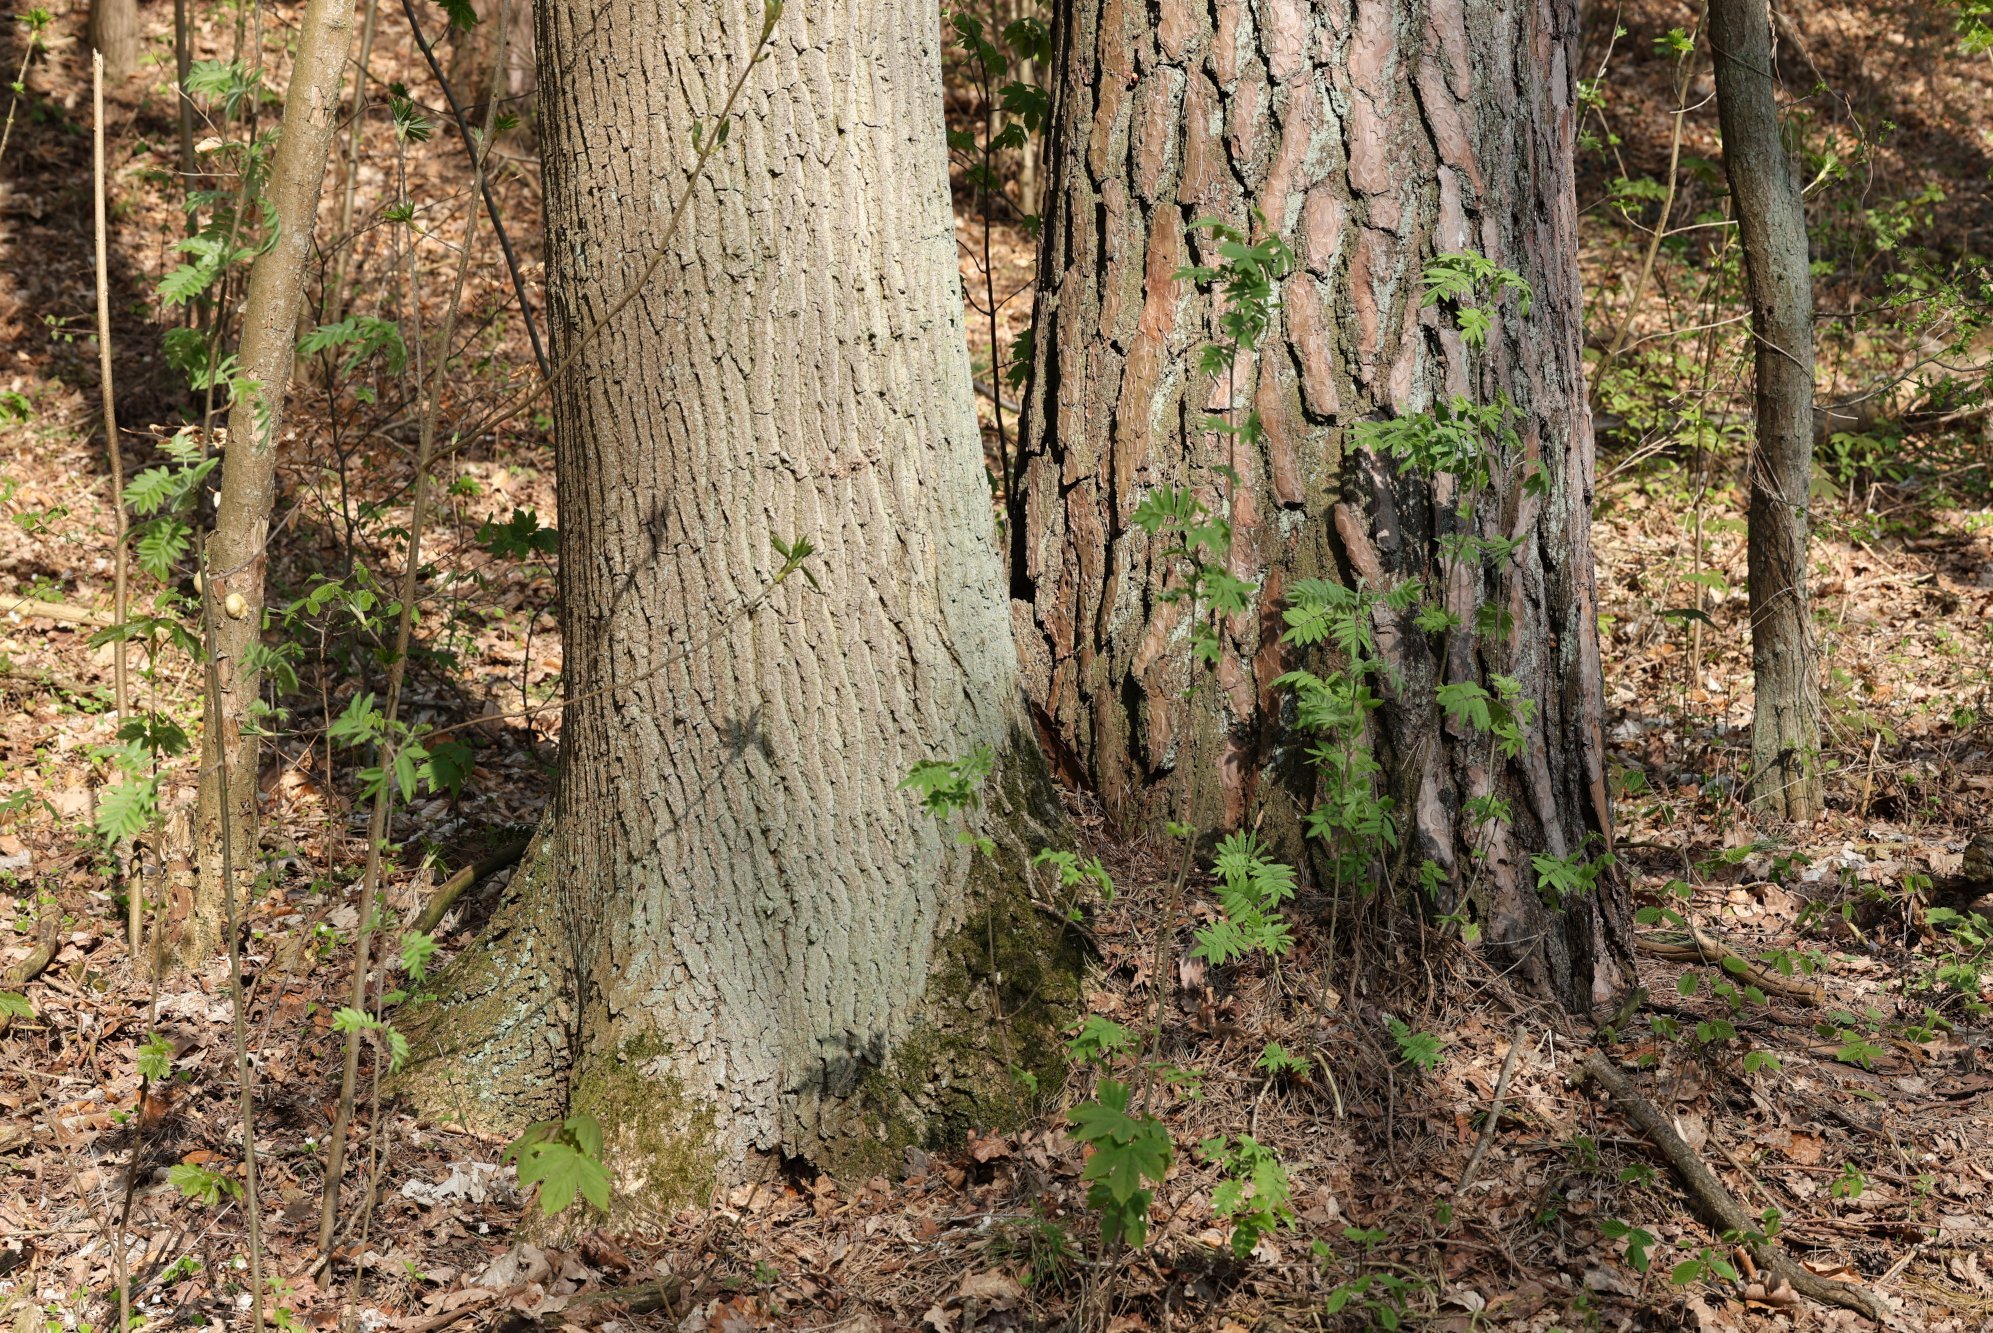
235, 552
1786, 780
757, 944
1372, 135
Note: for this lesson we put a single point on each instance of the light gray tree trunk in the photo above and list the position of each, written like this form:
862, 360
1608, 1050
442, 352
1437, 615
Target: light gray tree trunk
755, 943
1771, 218
235, 556
114, 31
1373, 135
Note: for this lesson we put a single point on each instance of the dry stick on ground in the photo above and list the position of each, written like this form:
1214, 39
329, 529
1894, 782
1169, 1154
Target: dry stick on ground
477, 153
63, 611
1494, 1112
1706, 948
377, 831
120, 561
1713, 1200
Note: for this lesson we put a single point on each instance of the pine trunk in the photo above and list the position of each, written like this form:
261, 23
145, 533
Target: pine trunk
741, 940
1372, 135
1786, 779
114, 31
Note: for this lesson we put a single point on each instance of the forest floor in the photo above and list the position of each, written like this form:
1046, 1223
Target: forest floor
1856, 1098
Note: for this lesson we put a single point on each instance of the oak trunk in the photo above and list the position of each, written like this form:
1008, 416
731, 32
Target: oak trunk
740, 940
1372, 135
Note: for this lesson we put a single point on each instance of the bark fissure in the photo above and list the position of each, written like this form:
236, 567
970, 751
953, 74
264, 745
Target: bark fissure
1373, 135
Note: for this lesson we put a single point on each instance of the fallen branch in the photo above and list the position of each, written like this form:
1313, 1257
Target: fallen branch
1706, 948
47, 680
37, 961
1715, 1203
453, 888
75, 615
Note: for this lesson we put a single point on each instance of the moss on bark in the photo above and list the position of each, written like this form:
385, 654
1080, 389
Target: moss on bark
658, 1140
488, 1044
987, 1052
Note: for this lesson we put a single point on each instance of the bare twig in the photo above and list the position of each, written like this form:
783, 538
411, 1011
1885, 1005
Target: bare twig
335, 1156
1660, 226
477, 151
1494, 1112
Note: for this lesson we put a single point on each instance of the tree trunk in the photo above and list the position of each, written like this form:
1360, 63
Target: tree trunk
1771, 218
474, 51
235, 549
114, 31
761, 946
1373, 135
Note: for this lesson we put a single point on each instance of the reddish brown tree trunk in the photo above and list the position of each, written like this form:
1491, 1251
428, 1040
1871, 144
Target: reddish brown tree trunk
1372, 135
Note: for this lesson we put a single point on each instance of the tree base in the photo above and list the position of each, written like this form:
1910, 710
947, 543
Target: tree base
495, 1048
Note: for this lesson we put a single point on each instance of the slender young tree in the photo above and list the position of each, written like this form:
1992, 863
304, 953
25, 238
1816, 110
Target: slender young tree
739, 937
1374, 136
235, 551
1786, 781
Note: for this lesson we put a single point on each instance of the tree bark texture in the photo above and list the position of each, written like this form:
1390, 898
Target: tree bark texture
767, 938
1771, 219
235, 555
1372, 135
114, 31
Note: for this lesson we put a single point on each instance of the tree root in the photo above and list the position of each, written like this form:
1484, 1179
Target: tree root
1718, 1207
446, 895
1706, 948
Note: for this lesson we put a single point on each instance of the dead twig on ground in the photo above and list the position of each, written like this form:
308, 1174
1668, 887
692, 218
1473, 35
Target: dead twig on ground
1494, 1112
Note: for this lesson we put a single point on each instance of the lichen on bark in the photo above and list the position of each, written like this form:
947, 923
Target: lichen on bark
489, 1039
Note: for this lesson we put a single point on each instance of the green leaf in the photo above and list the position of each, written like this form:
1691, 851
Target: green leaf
417, 948
462, 16
126, 810
15, 1006
561, 1172
155, 1059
